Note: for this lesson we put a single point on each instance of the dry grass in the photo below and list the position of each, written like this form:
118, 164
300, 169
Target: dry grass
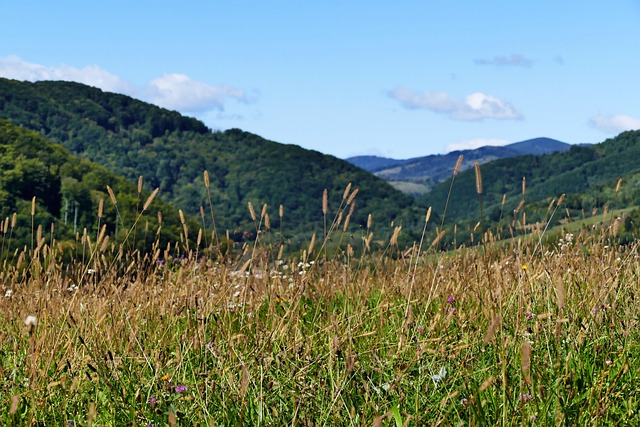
497, 335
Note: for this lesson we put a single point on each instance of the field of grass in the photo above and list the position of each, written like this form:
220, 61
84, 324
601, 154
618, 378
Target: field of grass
509, 334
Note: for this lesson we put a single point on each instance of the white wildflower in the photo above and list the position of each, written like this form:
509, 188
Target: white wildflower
439, 376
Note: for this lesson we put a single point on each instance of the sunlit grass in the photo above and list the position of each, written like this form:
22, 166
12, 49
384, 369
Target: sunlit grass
507, 334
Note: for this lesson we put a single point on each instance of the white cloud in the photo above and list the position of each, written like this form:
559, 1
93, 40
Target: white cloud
476, 106
172, 91
475, 143
614, 124
514, 60
13, 67
180, 92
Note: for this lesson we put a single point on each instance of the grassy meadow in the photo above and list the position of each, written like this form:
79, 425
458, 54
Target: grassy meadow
517, 333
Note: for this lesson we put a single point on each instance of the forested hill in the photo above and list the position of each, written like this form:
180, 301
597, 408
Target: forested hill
579, 173
133, 138
68, 191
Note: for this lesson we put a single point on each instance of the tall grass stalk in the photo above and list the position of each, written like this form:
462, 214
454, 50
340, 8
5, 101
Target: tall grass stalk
456, 169
214, 238
479, 192
496, 341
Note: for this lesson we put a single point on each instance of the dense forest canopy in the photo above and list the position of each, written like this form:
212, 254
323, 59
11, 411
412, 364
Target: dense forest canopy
132, 139
68, 191
171, 152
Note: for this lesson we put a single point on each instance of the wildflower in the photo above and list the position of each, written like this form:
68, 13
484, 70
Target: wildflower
181, 389
451, 299
8, 293
524, 267
152, 401
165, 377
525, 397
453, 311
464, 401
439, 376
31, 321
529, 316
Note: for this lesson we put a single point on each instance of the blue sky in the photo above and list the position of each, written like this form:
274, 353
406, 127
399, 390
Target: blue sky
398, 79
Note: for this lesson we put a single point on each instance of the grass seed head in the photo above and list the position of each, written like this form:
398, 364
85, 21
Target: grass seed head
346, 192
112, 196
252, 211
353, 196
478, 178
456, 169
150, 199
325, 202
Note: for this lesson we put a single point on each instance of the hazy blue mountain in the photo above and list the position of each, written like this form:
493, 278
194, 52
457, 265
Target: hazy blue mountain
419, 174
373, 163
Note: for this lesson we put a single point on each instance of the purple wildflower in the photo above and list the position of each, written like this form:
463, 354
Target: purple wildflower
451, 299
529, 316
181, 389
152, 401
524, 398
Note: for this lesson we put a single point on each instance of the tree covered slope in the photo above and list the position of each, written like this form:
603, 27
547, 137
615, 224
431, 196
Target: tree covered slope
579, 173
68, 191
133, 138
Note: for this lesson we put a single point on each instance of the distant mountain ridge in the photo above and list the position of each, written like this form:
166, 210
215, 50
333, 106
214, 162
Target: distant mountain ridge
419, 174
171, 152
